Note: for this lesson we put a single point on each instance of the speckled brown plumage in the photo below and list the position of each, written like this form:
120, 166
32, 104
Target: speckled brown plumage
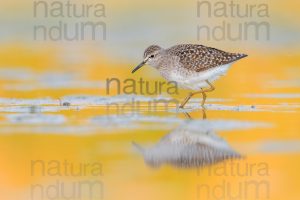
191, 66
200, 58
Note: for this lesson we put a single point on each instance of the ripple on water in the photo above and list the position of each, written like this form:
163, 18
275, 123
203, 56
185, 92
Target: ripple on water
35, 118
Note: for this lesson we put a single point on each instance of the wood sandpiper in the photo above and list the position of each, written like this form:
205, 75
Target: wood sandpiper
192, 66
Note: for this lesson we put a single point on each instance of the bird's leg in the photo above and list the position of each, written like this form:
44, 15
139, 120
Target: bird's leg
186, 100
212, 88
204, 113
203, 92
187, 115
204, 98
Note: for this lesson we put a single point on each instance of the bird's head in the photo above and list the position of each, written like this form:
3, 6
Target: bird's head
152, 57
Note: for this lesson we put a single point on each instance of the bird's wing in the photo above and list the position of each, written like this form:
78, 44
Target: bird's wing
200, 58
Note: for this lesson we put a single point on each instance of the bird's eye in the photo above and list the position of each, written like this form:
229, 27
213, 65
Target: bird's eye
152, 56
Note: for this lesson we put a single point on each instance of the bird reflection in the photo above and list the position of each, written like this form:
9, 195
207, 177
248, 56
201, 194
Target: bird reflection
188, 146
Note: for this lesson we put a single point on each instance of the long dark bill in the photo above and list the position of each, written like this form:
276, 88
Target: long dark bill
138, 67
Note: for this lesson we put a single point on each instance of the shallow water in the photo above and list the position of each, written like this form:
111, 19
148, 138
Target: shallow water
58, 138
64, 134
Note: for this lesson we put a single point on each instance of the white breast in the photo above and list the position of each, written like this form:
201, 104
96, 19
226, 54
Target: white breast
195, 81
